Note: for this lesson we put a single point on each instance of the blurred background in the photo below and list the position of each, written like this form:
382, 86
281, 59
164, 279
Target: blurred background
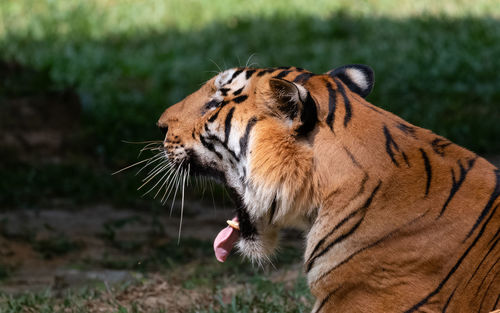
79, 79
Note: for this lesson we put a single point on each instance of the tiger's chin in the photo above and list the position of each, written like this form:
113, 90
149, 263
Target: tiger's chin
260, 247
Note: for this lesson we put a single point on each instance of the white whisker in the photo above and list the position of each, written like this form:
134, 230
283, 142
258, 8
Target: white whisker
132, 165
157, 168
165, 183
248, 64
142, 142
218, 67
153, 159
160, 180
152, 176
169, 187
186, 174
177, 180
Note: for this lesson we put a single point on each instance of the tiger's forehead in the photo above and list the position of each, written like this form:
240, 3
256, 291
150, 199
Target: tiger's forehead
234, 81
231, 78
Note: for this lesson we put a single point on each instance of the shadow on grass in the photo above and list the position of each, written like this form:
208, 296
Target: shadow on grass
438, 73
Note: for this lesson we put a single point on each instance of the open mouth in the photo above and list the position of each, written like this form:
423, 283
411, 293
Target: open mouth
241, 226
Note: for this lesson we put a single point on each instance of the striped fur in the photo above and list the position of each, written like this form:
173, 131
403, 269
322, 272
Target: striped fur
397, 218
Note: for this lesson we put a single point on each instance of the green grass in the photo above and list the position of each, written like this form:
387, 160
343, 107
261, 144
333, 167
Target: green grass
47, 301
259, 294
192, 267
436, 63
263, 295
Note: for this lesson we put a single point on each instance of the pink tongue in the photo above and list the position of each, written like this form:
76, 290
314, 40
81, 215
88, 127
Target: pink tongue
224, 242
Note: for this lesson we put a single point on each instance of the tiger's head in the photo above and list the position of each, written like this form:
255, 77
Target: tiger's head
259, 132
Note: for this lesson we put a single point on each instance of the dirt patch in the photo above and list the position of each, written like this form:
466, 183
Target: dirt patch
154, 295
41, 248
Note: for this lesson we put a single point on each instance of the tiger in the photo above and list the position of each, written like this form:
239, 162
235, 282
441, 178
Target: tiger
395, 217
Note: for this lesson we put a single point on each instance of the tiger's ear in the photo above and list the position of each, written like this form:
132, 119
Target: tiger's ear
358, 77
293, 102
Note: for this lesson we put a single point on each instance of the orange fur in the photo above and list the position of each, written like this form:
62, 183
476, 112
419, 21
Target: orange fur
388, 230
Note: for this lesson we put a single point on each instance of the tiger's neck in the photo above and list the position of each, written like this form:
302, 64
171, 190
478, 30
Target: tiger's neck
386, 192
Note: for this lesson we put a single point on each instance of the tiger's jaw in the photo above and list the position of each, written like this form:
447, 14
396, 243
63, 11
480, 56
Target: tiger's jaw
257, 237
227, 162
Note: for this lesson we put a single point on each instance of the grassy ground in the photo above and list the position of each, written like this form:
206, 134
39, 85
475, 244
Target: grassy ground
183, 278
436, 64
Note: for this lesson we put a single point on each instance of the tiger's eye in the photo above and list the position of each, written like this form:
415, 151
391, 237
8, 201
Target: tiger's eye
212, 104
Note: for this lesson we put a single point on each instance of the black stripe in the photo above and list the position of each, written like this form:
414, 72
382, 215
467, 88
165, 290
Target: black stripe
448, 301
362, 188
333, 243
235, 74
227, 125
439, 144
282, 74
244, 139
486, 276
353, 159
389, 144
331, 194
480, 263
407, 129
215, 138
265, 71
224, 91
496, 303
347, 103
385, 237
332, 105
325, 300
495, 236
308, 116
452, 271
249, 73
455, 184
372, 107
240, 99
322, 240
405, 158
313, 257
273, 211
237, 92
428, 171
214, 116
303, 78
210, 147
487, 290
211, 104
493, 197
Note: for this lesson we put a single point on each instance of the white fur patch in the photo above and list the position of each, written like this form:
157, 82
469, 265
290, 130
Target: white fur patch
358, 77
302, 92
261, 248
223, 78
